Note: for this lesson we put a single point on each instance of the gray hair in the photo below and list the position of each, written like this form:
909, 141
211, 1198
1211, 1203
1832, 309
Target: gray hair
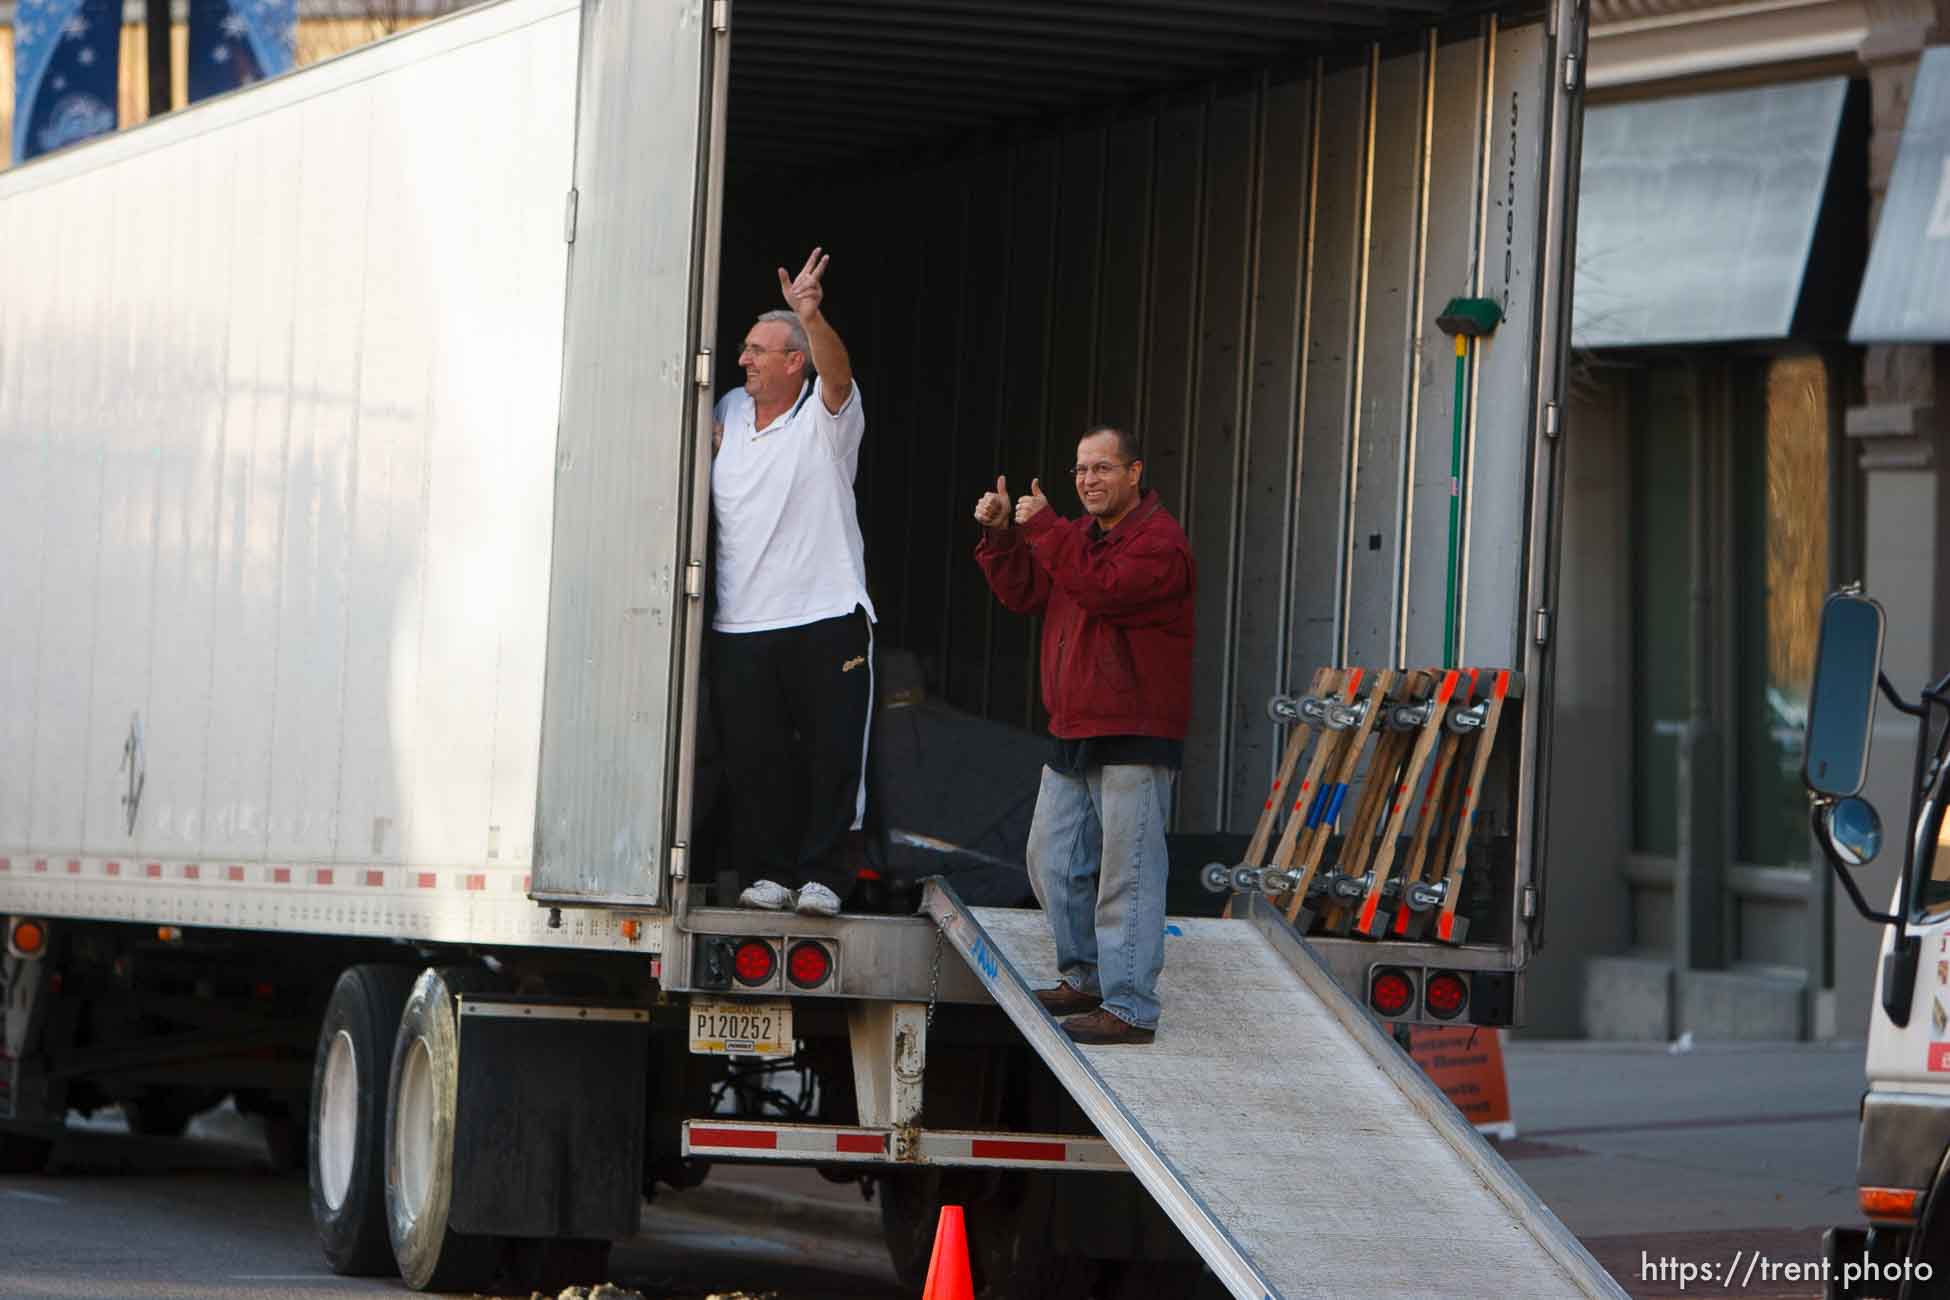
794, 326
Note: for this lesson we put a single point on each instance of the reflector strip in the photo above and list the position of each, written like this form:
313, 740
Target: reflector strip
994, 1149
736, 1139
423, 903
819, 1143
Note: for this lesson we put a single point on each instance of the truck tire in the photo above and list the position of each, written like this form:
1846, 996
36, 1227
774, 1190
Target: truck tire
1926, 1275
421, 1091
345, 1149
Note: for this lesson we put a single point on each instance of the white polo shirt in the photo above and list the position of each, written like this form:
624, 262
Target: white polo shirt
789, 550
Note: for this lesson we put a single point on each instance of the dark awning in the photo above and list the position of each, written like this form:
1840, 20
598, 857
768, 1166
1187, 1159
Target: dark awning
1698, 215
1906, 292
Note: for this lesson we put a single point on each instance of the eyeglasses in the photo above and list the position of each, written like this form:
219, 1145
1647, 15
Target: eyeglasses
753, 349
1102, 469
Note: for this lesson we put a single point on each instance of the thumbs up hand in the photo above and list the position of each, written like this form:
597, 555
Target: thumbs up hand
1026, 507
992, 511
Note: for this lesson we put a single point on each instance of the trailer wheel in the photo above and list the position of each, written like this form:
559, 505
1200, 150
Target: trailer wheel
420, 1098
346, 1142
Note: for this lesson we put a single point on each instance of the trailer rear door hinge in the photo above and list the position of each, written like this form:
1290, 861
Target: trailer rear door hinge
701, 374
1571, 72
694, 580
569, 218
1530, 902
720, 15
1543, 627
1550, 419
680, 853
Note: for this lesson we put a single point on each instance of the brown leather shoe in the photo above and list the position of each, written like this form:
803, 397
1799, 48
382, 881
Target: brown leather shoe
1103, 1027
1066, 1001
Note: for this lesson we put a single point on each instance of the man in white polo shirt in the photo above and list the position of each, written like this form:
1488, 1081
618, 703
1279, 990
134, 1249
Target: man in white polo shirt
792, 639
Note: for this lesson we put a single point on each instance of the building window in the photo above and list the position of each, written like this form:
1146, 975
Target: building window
1663, 413
1780, 576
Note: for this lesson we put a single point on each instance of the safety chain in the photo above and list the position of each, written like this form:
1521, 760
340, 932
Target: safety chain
934, 980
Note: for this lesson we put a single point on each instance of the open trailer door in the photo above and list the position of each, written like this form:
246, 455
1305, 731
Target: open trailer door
632, 457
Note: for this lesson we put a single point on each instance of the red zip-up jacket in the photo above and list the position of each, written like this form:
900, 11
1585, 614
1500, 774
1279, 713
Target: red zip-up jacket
1117, 626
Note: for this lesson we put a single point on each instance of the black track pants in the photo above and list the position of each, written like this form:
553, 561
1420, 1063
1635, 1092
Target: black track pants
794, 706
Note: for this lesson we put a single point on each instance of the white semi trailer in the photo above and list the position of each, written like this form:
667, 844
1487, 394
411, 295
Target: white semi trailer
354, 449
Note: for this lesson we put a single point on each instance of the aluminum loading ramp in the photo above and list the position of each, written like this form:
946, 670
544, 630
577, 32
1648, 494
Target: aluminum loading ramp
1293, 1143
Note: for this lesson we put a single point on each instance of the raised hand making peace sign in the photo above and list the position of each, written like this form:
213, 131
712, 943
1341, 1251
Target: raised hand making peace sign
803, 293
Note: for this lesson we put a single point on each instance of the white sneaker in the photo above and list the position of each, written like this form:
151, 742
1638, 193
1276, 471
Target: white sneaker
768, 895
817, 900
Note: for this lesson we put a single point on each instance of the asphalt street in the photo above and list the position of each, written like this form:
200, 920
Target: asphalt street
1730, 1156
1726, 1157
203, 1218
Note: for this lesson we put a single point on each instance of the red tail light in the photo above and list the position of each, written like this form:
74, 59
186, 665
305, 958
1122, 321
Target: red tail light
808, 964
1390, 991
28, 938
753, 962
1446, 995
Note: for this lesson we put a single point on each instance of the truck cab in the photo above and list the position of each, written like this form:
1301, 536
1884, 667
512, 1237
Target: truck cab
1903, 1162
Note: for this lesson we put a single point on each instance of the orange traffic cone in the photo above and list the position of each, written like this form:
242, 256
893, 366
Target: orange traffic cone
948, 1276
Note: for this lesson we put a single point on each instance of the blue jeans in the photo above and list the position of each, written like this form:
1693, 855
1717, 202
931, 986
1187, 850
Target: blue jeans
1097, 863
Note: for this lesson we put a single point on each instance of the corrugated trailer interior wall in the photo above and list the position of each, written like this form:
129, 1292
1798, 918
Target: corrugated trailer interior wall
1248, 275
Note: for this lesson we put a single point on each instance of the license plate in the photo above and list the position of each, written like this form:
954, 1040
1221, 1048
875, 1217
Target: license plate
741, 1028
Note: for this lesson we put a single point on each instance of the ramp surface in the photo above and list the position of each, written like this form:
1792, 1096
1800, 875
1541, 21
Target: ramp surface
1295, 1145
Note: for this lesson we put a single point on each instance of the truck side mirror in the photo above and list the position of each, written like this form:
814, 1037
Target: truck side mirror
1853, 831
1841, 704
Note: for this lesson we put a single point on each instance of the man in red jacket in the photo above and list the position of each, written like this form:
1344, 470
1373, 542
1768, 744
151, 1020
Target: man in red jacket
1115, 589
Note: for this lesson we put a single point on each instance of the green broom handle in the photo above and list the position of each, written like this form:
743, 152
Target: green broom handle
1455, 510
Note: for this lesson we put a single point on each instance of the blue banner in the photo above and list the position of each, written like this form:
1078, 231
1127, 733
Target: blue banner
65, 60
236, 42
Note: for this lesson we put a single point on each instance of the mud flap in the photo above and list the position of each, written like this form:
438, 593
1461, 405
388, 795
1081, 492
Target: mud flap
549, 1118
